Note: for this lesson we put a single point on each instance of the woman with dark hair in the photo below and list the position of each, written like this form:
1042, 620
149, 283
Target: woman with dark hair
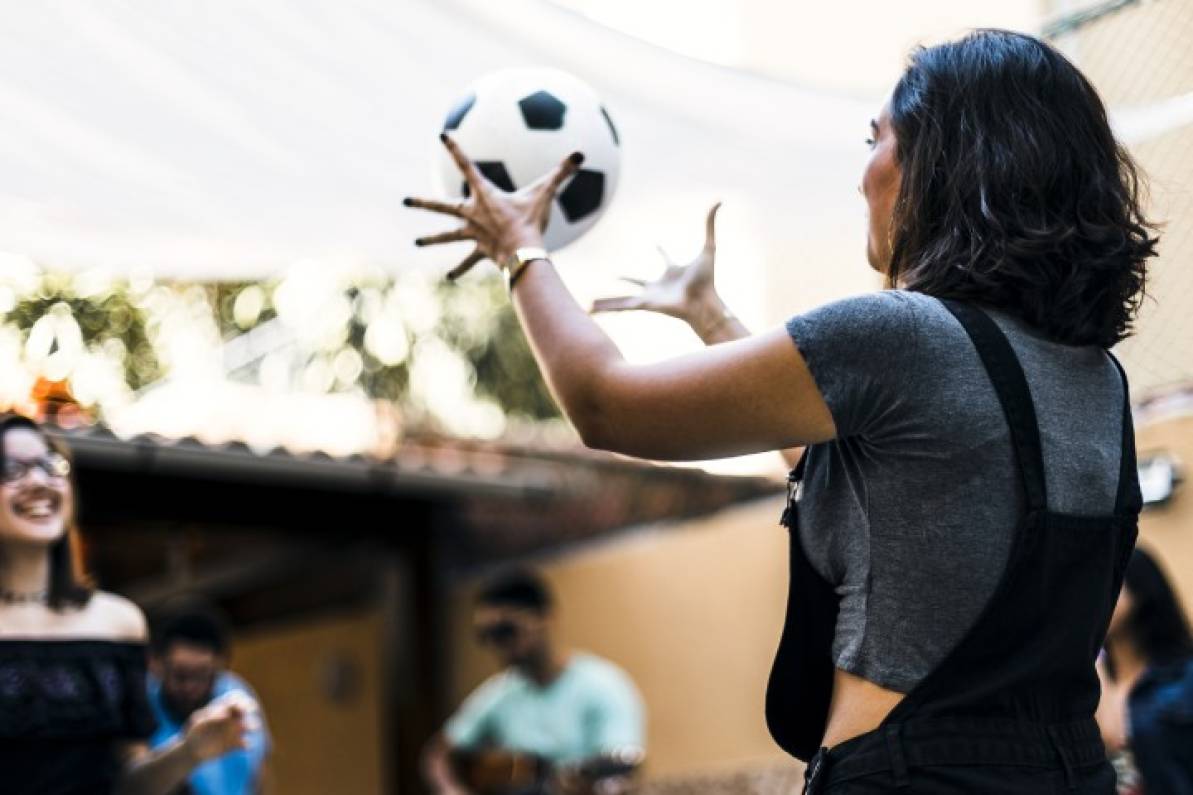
73, 711
1147, 680
968, 499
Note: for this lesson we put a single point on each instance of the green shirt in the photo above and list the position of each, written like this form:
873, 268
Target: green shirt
591, 708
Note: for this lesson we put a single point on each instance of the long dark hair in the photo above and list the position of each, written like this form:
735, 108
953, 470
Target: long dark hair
1014, 192
1156, 623
69, 585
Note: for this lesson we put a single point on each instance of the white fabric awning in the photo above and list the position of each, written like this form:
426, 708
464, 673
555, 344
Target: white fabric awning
227, 140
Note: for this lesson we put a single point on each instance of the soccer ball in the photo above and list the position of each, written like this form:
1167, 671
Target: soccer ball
518, 124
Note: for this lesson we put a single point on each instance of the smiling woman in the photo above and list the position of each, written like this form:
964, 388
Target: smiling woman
73, 710
40, 562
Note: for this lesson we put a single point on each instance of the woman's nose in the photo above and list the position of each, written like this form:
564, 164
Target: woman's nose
39, 474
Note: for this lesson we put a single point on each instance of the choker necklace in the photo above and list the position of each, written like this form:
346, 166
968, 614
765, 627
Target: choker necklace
25, 598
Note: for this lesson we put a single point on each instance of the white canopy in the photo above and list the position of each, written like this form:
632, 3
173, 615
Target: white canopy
228, 140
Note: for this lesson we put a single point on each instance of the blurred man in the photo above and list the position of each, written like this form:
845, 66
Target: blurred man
190, 652
551, 721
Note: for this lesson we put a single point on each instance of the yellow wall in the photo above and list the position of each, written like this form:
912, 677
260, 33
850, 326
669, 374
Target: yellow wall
320, 746
693, 613
1168, 531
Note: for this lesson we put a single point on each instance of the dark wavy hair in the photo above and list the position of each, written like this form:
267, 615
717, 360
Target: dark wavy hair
1014, 192
516, 587
196, 624
1156, 623
69, 585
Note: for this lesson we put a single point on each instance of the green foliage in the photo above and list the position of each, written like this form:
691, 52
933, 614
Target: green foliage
379, 380
479, 321
473, 318
110, 315
223, 297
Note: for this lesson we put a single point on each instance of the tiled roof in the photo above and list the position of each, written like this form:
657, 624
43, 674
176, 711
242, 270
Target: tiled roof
424, 462
504, 499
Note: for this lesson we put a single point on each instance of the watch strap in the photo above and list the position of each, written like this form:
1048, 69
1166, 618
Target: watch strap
518, 262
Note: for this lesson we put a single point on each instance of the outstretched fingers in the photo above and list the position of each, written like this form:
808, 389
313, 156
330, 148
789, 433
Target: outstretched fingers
564, 171
710, 231
618, 304
454, 209
472, 175
454, 236
465, 266
550, 183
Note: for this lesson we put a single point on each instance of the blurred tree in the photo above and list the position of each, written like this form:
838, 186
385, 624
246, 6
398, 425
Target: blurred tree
373, 353
379, 379
101, 317
240, 306
480, 323
474, 318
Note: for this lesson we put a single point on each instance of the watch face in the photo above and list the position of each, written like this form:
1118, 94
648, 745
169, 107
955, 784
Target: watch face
520, 260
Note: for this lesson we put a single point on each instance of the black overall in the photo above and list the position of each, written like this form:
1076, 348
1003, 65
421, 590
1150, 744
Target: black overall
1010, 709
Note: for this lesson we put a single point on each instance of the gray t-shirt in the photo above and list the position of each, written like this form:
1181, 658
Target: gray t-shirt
910, 510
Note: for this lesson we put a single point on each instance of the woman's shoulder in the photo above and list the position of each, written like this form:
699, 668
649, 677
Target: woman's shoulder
113, 617
103, 617
880, 329
80, 675
890, 310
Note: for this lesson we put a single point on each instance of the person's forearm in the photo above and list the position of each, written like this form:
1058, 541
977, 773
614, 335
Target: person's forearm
441, 778
158, 772
712, 321
573, 352
438, 770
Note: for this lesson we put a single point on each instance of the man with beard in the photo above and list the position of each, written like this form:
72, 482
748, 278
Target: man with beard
190, 653
551, 721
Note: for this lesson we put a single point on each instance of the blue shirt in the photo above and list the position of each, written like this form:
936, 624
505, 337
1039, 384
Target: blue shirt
591, 708
234, 773
1160, 707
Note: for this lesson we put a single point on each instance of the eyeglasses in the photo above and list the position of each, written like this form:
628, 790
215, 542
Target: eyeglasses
183, 675
53, 465
499, 633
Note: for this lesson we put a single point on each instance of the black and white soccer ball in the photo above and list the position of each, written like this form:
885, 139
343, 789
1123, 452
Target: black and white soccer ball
518, 124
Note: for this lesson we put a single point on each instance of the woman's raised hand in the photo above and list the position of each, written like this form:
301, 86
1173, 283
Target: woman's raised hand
498, 221
682, 291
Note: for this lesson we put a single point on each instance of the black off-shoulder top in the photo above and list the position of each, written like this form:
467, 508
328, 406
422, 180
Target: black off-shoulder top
64, 705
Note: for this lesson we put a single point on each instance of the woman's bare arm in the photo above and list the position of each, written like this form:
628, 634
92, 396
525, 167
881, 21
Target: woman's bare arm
747, 396
689, 293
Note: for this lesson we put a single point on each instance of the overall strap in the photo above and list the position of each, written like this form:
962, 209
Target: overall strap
1006, 374
1129, 499
794, 481
797, 473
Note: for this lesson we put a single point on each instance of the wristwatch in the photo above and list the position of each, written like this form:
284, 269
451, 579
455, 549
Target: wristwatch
518, 261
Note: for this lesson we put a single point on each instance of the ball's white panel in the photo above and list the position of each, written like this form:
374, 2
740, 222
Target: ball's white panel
494, 130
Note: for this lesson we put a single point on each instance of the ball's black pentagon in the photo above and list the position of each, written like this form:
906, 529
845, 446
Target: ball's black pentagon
612, 129
494, 171
456, 115
542, 111
583, 195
